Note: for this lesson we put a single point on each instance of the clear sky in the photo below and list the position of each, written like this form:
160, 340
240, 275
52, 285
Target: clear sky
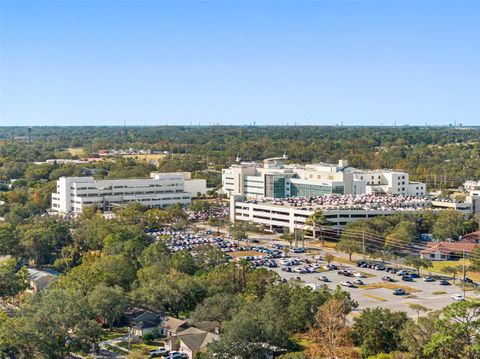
102, 62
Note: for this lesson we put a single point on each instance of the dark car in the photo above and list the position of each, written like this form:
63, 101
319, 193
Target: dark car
466, 280
407, 278
444, 282
387, 279
399, 291
414, 275
360, 263
323, 279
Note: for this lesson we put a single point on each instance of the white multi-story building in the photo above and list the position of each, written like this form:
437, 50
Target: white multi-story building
274, 179
338, 210
162, 189
474, 199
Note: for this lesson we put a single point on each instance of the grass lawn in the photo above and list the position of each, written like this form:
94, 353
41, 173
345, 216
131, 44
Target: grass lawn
439, 292
438, 265
391, 286
115, 350
138, 345
368, 275
326, 244
115, 333
343, 260
371, 296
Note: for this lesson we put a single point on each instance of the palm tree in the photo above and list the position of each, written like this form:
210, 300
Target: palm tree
317, 220
287, 236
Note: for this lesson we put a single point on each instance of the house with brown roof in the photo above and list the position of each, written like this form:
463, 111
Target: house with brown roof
190, 341
171, 326
443, 251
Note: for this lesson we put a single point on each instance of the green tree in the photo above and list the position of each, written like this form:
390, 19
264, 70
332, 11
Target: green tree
108, 303
418, 262
12, 279
456, 334
349, 246
287, 237
452, 270
242, 337
416, 334
317, 220
448, 224
403, 233
238, 233
9, 241
51, 324
374, 338
219, 307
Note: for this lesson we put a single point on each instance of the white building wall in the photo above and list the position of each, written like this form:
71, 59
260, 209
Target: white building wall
196, 186
75, 193
354, 181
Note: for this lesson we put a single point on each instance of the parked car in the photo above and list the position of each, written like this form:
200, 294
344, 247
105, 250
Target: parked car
402, 272
175, 355
346, 284
298, 250
387, 279
466, 280
428, 279
414, 275
358, 281
399, 291
360, 263
379, 267
359, 275
458, 297
158, 352
407, 278
444, 282
323, 279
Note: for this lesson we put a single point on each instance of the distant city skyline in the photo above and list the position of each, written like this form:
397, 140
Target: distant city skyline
239, 63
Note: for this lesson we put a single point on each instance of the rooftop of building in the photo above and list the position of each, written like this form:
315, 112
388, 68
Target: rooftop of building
363, 201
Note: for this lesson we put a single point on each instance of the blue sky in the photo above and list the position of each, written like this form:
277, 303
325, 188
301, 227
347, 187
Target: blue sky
239, 62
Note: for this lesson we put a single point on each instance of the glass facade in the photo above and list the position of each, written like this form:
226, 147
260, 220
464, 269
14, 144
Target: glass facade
275, 186
310, 190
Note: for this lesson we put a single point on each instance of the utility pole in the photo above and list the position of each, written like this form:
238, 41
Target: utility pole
363, 244
463, 255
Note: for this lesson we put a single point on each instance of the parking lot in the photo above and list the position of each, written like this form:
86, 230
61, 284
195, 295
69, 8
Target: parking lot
374, 292
308, 268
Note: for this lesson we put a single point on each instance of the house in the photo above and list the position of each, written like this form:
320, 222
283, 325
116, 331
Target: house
211, 326
190, 341
171, 326
442, 251
39, 279
473, 237
142, 321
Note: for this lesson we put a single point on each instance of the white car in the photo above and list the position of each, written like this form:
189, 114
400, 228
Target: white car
358, 275
458, 297
346, 284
